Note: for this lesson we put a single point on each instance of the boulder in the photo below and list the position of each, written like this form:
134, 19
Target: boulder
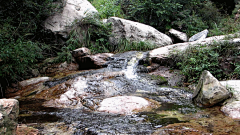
9, 110
234, 86
232, 109
123, 104
199, 36
93, 61
81, 52
136, 32
73, 10
178, 36
209, 91
232, 106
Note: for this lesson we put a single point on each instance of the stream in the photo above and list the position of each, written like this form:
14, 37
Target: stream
70, 104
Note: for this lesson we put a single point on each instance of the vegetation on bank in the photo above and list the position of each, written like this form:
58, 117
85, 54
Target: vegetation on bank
24, 42
221, 59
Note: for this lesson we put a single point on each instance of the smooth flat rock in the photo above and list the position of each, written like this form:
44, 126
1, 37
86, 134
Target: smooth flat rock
232, 109
123, 104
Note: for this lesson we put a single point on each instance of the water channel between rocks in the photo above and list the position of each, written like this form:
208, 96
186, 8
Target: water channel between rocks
70, 105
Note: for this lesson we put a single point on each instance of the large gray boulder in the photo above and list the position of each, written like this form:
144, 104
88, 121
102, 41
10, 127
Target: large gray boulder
72, 10
134, 31
9, 110
209, 91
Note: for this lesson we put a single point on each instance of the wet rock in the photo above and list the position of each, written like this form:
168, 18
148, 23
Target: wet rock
80, 52
209, 91
123, 104
72, 10
178, 36
136, 32
199, 36
93, 61
9, 110
33, 81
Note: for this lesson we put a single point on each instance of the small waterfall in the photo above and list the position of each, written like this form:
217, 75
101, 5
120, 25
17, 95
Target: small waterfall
131, 66
126, 62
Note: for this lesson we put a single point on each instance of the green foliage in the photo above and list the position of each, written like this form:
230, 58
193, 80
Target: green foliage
187, 16
107, 8
227, 26
199, 58
17, 57
21, 36
126, 45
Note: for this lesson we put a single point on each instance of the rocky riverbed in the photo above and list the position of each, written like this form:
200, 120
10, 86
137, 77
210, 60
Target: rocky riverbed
121, 98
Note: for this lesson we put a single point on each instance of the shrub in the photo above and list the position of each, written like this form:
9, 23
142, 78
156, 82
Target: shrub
187, 16
107, 8
21, 36
17, 57
126, 45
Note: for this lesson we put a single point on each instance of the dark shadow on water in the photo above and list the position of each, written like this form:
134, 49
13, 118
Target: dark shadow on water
42, 118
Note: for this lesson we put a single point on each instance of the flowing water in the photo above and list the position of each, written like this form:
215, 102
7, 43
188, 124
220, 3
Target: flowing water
76, 113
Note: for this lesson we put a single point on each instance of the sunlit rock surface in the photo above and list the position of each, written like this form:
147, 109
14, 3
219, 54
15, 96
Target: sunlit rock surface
134, 31
72, 10
123, 104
